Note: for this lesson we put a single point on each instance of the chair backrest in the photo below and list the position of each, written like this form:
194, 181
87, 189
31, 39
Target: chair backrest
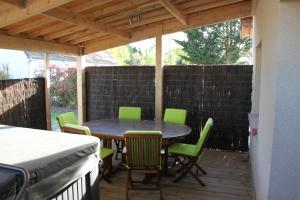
130, 113
66, 118
76, 129
176, 116
143, 149
204, 136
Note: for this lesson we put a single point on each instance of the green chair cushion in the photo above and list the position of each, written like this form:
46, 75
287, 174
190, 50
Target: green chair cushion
105, 152
130, 113
142, 132
176, 116
85, 129
183, 149
67, 118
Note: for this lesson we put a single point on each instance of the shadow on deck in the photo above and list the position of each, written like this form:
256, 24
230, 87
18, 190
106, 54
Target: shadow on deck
228, 178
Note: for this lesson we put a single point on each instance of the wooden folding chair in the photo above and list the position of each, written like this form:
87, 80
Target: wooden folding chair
143, 156
187, 155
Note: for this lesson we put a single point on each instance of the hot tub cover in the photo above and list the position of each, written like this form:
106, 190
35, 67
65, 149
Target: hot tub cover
44, 153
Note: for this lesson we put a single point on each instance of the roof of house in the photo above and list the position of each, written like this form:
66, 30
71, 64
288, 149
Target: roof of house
85, 26
102, 58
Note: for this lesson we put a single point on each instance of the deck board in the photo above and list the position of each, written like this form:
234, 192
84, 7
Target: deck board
228, 178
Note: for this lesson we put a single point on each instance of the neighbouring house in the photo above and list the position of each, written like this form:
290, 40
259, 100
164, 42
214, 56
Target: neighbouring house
24, 64
36, 61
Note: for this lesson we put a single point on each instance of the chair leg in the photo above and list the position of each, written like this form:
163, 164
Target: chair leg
117, 143
127, 184
201, 169
194, 163
160, 187
195, 160
183, 169
187, 168
105, 170
197, 178
183, 164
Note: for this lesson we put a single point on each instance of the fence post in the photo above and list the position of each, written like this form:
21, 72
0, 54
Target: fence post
81, 105
47, 91
159, 79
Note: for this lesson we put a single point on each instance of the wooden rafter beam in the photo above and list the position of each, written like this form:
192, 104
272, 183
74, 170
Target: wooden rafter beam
76, 19
174, 11
17, 43
206, 17
19, 3
35, 7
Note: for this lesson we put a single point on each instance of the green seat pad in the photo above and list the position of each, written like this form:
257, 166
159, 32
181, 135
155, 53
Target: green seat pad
85, 129
142, 132
183, 149
105, 152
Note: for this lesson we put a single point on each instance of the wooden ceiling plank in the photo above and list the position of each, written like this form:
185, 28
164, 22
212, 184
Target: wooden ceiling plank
174, 11
19, 3
54, 27
73, 18
76, 35
36, 7
29, 26
86, 38
211, 16
90, 4
64, 32
17, 43
118, 8
157, 16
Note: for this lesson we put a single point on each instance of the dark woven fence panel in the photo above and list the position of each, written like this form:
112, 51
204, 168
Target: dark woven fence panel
221, 92
22, 103
107, 88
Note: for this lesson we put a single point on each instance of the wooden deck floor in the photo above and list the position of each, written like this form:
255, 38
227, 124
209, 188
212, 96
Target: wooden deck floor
228, 178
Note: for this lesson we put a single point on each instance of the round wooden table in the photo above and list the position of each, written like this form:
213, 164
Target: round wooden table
113, 129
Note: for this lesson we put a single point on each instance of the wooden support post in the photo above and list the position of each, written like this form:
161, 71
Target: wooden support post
81, 89
159, 79
47, 91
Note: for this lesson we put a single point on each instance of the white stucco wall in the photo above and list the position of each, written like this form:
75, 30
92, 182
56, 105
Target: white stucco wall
265, 30
285, 166
274, 151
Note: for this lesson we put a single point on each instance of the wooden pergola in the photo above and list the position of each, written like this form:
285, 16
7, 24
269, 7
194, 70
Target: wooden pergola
81, 27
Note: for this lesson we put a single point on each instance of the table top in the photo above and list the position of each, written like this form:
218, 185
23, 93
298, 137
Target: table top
115, 128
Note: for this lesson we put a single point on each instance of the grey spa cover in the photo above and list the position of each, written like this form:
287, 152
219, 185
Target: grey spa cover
53, 159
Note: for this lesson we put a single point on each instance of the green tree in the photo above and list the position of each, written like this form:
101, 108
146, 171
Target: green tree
130, 55
173, 57
215, 44
121, 54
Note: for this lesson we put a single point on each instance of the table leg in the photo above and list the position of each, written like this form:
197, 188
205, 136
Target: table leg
166, 165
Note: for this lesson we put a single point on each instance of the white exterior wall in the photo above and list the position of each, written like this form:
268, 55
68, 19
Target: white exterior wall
285, 166
274, 150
